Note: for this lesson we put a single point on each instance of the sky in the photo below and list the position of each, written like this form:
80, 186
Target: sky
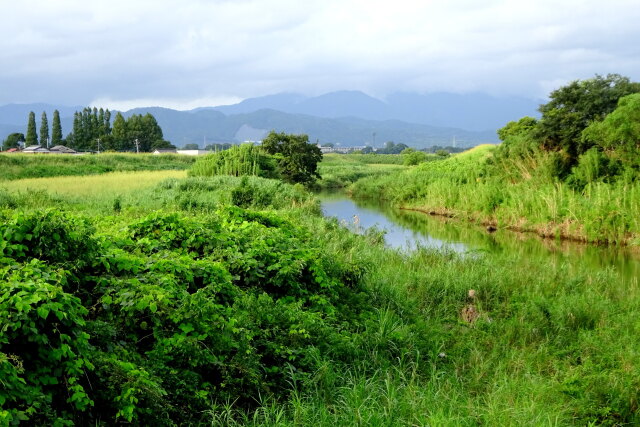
189, 53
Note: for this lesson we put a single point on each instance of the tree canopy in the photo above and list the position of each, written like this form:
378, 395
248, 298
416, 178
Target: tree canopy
297, 159
575, 106
32, 136
12, 140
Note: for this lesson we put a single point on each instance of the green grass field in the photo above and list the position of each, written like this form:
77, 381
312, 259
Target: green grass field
231, 301
21, 166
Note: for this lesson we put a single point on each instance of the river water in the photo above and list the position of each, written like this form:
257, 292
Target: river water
406, 230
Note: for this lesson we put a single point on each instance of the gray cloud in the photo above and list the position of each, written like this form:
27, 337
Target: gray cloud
187, 53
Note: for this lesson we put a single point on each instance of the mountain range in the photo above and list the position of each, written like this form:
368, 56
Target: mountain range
345, 117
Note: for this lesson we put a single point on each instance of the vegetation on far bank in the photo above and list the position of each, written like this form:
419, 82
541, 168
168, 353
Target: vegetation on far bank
574, 173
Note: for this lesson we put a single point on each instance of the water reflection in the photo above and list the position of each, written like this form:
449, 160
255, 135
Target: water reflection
407, 229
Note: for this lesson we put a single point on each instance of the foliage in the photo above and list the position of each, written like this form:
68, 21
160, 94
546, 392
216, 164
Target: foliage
244, 159
32, 136
137, 133
415, 157
89, 125
56, 129
199, 312
620, 130
391, 147
13, 140
44, 129
513, 129
297, 159
574, 106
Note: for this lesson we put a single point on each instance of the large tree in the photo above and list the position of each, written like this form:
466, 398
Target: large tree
573, 107
32, 135
12, 141
297, 159
44, 129
56, 129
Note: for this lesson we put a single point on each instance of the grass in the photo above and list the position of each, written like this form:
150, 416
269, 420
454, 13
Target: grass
341, 170
21, 166
552, 345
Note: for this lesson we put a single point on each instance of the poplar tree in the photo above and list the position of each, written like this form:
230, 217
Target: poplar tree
56, 129
44, 129
32, 136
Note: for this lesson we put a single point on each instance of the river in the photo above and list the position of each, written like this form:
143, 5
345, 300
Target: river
407, 230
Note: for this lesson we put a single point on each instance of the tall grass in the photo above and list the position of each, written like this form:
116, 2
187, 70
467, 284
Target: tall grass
245, 159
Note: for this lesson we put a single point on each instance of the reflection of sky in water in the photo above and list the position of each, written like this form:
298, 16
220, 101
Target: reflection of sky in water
395, 236
408, 230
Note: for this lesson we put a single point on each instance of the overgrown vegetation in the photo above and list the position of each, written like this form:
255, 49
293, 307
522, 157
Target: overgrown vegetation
286, 156
230, 301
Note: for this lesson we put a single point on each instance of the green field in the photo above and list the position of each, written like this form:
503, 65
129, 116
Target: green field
156, 299
21, 166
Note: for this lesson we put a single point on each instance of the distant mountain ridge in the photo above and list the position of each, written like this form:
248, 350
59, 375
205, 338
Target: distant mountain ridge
345, 117
475, 111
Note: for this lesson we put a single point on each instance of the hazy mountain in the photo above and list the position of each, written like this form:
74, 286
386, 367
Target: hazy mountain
469, 111
18, 114
206, 126
346, 117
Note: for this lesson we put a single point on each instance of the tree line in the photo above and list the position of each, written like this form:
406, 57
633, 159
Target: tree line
93, 131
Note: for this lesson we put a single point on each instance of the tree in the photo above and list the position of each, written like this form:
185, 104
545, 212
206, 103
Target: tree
620, 130
13, 141
297, 159
191, 146
161, 144
56, 129
32, 136
513, 128
573, 107
119, 134
44, 129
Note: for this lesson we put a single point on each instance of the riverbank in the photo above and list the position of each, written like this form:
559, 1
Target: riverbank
465, 187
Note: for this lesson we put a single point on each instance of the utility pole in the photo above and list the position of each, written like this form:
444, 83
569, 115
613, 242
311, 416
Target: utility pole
374, 140
137, 146
98, 145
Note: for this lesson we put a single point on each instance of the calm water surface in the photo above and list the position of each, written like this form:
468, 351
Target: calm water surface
407, 230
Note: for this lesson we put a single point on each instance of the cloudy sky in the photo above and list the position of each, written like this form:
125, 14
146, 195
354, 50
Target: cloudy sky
188, 53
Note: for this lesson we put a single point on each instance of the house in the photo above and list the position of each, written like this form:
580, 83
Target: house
61, 149
35, 149
165, 151
13, 150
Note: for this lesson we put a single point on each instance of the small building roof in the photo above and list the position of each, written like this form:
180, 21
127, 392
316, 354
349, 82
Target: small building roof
62, 149
35, 149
